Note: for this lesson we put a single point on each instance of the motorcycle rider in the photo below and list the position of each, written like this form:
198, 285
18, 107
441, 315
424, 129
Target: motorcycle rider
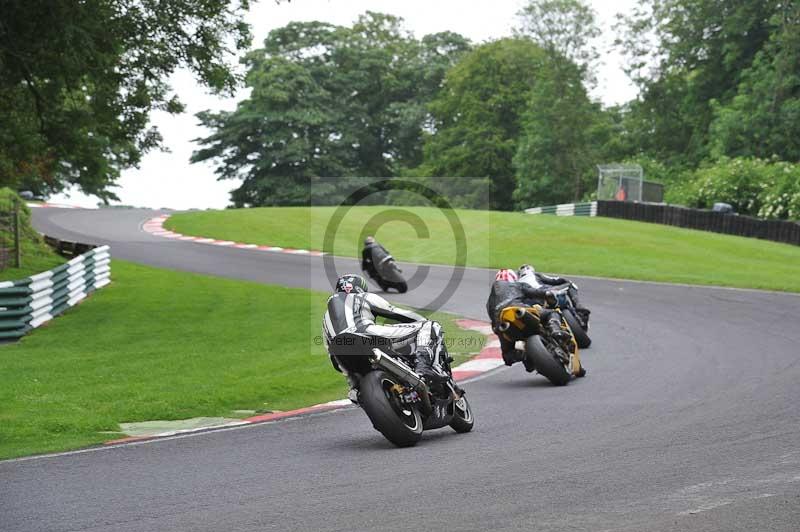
508, 292
529, 275
372, 255
353, 308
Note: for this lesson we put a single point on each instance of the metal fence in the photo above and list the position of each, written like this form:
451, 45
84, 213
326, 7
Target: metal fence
625, 182
703, 219
28, 303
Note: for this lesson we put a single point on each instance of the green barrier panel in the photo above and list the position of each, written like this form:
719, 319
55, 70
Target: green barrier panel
13, 324
13, 335
27, 303
15, 302
15, 312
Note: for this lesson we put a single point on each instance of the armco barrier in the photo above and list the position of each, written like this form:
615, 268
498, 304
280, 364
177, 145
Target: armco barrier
27, 303
567, 209
702, 219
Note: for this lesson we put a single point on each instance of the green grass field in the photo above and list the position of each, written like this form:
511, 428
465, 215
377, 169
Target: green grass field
36, 258
569, 245
163, 345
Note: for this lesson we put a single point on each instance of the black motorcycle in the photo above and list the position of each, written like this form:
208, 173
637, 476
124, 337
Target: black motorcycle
389, 275
578, 321
399, 403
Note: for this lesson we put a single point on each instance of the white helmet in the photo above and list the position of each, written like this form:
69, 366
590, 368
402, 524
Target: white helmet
526, 269
527, 274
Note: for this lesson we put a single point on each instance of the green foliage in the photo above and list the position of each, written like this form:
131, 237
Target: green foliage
763, 119
477, 115
564, 29
36, 255
560, 143
685, 54
78, 81
752, 186
563, 132
328, 101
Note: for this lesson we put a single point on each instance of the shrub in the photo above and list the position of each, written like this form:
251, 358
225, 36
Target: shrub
758, 187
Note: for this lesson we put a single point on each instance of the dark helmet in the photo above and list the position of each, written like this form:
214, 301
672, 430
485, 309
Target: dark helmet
369, 240
352, 283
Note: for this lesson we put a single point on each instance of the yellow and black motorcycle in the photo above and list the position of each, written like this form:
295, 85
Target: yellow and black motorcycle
558, 362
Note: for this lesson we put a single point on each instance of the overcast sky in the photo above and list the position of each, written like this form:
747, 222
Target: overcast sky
168, 180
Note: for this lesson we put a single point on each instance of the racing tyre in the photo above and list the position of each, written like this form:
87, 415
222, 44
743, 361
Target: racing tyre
580, 335
462, 416
399, 423
545, 362
402, 287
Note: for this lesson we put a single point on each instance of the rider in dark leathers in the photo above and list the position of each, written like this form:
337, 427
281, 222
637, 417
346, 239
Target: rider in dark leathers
508, 292
353, 308
372, 255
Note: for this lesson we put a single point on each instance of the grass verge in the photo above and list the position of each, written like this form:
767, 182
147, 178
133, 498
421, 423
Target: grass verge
163, 345
571, 245
35, 254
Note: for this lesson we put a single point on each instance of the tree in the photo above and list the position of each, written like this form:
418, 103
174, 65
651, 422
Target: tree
476, 116
563, 133
561, 128
763, 119
78, 81
564, 29
685, 54
328, 101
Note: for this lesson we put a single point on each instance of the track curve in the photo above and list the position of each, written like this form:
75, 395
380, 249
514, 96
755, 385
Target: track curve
686, 421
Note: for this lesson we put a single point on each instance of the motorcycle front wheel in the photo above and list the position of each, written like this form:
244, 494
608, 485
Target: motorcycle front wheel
545, 362
462, 416
399, 423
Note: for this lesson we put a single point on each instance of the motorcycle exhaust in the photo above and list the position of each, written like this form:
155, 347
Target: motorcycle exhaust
520, 313
400, 370
504, 326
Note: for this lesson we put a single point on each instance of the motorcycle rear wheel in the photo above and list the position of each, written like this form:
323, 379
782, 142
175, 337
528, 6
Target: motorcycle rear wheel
578, 332
545, 362
400, 424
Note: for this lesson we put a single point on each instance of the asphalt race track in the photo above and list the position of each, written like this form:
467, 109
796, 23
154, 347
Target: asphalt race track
687, 420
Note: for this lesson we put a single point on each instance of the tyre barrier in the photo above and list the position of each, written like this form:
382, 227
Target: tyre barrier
28, 303
567, 209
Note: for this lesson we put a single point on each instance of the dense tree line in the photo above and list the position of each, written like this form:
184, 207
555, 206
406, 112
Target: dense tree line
717, 80
329, 101
718, 103
371, 100
719, 107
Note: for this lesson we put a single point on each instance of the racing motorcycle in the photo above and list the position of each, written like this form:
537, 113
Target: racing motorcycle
556, 361
399, 403
389, 275
578, 321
